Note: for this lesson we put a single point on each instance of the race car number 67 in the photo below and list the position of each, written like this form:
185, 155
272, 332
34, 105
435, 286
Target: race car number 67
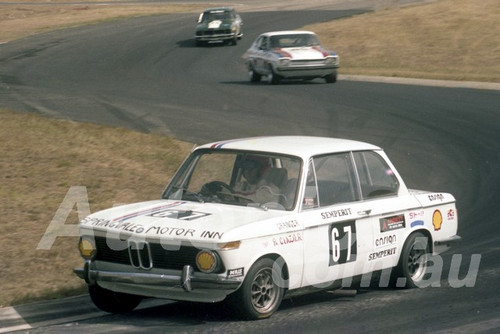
343, 245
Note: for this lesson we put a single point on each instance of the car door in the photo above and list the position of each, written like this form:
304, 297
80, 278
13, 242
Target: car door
261, 55
387, 203
337, 237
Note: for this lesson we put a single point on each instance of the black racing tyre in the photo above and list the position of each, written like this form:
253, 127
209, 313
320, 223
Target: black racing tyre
113, 302
331, 78
413, 262
273, 78
254, 76
261, 293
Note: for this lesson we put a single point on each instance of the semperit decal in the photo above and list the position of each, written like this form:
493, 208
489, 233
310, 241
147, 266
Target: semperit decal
392, 223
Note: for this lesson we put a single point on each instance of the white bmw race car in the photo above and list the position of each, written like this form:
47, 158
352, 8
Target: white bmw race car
250, 221
290, 55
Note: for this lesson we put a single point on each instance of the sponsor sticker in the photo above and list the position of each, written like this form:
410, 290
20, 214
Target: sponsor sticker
231, 273
382, 254
437, 220
392, 223
385, 240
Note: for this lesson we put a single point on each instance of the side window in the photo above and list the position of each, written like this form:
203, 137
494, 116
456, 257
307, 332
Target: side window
333, 180
335, 177
263, 43
375, 176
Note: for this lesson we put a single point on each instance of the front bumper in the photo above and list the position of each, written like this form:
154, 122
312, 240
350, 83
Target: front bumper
306, 71
215, 37
185, 285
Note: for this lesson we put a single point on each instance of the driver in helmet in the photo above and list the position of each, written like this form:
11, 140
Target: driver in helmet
254, 184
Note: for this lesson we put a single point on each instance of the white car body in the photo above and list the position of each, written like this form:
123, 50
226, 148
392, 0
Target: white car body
290, 54
316, 238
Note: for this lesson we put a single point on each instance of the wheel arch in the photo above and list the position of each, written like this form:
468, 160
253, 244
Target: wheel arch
426, 234
277, 258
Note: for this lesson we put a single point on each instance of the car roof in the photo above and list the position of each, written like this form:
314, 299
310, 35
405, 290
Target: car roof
218, 9
287, 32
303, 146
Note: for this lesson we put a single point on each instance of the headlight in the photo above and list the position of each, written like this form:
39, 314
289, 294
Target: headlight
87, 247
207, 261
332, 60
284, 61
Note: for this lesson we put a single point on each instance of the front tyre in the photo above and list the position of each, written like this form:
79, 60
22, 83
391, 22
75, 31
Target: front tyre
272, 77
261, 293
331, 78
413, 262
113, 302
252, 75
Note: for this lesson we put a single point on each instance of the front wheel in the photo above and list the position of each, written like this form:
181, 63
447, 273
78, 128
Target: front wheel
272, 77
113, 302
331, 78
254, 76
261, 293
413, 262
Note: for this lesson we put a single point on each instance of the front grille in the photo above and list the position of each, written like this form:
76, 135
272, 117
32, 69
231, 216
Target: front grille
214, 32
308, 62
145, 255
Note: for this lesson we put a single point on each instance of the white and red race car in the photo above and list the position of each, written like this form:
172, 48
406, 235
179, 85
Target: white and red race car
252, 220
290, 55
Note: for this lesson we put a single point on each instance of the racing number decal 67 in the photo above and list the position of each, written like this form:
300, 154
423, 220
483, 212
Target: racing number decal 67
343, 245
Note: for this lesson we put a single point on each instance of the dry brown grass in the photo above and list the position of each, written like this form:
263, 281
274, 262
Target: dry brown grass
22, 20
40, 160
449, 39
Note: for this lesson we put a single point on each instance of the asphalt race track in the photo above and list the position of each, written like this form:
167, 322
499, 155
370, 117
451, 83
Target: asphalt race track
146, 74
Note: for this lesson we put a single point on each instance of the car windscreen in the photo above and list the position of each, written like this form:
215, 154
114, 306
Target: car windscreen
244, 178
294, 40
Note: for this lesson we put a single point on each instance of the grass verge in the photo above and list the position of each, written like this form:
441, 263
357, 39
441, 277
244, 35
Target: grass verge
21, 20
447, 39
41, 159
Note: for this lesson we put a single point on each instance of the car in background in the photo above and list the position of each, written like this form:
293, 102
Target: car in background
251, 221
222, 24
290, 55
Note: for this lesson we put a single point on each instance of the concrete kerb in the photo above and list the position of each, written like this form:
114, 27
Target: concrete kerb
423, 82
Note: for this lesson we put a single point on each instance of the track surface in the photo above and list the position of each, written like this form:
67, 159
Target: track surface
146, 74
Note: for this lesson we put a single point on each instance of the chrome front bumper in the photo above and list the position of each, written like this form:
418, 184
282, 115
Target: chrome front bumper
215, 38
305, 71
184, 285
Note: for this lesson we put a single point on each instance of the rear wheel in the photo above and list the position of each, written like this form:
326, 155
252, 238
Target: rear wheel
261, 293
413, 262
113, 302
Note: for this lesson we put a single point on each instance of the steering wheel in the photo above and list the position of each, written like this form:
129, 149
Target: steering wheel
215, 187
